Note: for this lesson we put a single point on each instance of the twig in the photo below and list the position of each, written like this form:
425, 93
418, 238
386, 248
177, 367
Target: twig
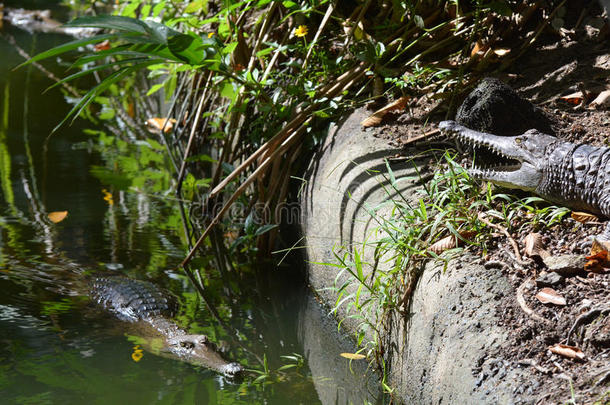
50, 75
586, 317
525, 308
500, 228
329, 11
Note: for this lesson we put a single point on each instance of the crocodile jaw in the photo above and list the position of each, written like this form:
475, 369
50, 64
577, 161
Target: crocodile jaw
509, 161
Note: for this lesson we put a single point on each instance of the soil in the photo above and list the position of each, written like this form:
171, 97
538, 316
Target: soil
558, 66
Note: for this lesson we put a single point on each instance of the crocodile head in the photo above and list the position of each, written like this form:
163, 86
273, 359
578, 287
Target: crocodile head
509, 161
199, 350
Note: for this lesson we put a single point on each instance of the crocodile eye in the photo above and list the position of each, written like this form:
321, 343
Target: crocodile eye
518, 140
186, 344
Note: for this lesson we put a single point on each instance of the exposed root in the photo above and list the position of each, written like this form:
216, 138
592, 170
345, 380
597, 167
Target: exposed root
512, 241
525, 308
586, 317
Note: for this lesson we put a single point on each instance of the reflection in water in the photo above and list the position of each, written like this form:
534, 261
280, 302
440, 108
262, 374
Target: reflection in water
56, 347
337, 381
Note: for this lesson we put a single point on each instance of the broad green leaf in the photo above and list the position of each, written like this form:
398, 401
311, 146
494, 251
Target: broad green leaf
187, 48
264, 229
93, 69
111, 22
158, 8
155, 88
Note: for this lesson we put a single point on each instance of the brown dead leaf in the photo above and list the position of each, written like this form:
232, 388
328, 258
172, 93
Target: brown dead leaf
534, 246
477, 49
598, 246
353, 356
449, 242
570, 352
157, 124
102, 46
597, 262
572, 99
57, 216
602, 101
377, 117
550, 296
583, 217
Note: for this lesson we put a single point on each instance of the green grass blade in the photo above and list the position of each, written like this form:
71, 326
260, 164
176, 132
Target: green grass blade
97, 68
99, 89
58, 50
111, 22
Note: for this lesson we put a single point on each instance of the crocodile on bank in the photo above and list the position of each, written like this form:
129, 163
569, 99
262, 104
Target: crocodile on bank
152, 309
573, 175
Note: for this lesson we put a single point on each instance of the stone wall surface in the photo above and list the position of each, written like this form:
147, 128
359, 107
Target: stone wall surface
443, 352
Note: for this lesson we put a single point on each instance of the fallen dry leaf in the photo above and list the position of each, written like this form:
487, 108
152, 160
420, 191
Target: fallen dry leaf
102, 46
57, 216
596, 263
534, 247
583, 217
502, 51
478, 48
449, 242
570, 352
550, 296
353, 356
598, 246
377, 117
572, 99
602, 101
598, 260
157, 124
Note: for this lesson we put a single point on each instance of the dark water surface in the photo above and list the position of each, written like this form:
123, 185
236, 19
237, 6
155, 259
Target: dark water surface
56, 347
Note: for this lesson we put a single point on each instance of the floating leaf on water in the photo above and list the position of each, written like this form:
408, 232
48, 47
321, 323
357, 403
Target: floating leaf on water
534, 246
158, 124
57, 216
353, 356
583, 217
377, 117
550, 296
570, 352
108, 197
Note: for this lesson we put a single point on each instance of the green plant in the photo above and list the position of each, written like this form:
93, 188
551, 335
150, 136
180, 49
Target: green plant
448, 205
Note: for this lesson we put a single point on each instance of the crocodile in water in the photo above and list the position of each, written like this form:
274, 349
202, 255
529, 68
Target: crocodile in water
152, 309
573, 175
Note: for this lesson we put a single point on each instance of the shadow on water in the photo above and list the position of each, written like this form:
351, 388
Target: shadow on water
57, 347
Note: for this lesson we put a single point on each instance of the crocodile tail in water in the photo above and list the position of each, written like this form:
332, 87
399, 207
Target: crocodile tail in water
133, 300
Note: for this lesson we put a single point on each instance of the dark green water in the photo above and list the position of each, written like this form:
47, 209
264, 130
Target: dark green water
56, 347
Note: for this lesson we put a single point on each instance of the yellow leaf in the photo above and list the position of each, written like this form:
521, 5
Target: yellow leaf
107, 197
157, 124
353, 356
137, 353
57, 216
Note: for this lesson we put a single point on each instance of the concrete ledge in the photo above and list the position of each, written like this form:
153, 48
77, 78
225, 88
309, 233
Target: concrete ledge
443, 352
